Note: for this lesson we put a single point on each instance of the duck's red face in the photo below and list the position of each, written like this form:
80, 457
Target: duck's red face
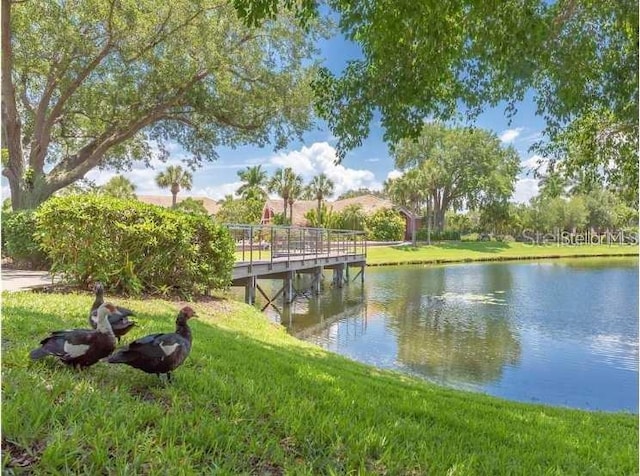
188, 312
110, 307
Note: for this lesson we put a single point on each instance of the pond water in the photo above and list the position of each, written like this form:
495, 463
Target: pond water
558, 332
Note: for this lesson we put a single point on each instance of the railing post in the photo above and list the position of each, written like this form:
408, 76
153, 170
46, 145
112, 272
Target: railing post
288, 246
250, 247
273, 246
304, 248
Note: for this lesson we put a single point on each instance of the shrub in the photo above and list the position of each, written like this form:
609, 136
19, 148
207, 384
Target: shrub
385, 225
134, 246
445, 235
19, 242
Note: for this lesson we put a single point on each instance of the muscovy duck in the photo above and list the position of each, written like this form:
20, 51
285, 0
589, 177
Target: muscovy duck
119, 318
159, 353
81, 347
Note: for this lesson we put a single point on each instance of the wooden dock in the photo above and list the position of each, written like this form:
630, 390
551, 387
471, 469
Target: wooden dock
278, 252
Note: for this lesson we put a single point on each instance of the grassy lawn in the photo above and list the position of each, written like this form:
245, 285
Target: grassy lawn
253, 400
485, 250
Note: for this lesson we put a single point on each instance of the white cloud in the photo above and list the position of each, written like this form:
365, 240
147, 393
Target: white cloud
218, 192
525, 190
510, 135
321, 157
394, 174
535, 163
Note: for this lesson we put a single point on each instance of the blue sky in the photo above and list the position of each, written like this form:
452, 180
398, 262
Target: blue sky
368, 166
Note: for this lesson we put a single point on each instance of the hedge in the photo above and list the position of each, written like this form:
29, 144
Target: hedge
132, 246
19, 242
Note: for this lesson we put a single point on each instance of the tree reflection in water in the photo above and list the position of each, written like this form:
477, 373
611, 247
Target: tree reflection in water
452, 326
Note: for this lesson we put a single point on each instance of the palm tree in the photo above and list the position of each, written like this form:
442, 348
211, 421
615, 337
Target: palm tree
295, 192
320, 187
353, 216
175, 178
286, 183
119, 187
552, 184
254, 182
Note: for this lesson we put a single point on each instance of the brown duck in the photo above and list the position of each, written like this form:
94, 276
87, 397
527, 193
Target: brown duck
81, 347
119, 318
159, 353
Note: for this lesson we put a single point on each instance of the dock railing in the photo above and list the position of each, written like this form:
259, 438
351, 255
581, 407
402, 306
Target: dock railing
269, 243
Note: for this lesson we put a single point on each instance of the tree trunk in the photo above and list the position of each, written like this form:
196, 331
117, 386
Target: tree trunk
29, 198
175, 188
440, 218
429, 222
320, 224
290, 212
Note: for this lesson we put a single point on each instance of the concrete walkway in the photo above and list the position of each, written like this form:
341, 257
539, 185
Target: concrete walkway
22, 280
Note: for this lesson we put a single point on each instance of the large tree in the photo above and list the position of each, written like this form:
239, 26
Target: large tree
106, 83
459, 167
175, 178
577, 58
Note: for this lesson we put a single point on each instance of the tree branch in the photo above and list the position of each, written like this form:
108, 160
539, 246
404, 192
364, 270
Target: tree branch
77, 165
42, 134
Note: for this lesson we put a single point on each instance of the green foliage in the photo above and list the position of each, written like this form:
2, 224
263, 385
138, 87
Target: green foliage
19, 241
448, 167
288, 185
559, 213
385, 225
361, 192
328, 218
254, 183
449, 59
133, 246
119, 187
352, 217
280, 219
445, 235
96, 84
175, 178
191, 205
233, 210
459, 222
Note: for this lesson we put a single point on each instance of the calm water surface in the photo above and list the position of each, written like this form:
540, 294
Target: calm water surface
559, 332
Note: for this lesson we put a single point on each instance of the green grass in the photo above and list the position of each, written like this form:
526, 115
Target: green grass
457, 251
253, 400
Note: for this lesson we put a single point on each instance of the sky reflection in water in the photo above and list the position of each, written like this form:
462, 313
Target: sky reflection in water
561, 332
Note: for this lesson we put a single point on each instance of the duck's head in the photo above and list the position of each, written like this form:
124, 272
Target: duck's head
185, 314
98, 288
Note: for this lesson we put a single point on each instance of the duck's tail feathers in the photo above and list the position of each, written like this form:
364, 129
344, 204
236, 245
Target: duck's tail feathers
117, 358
